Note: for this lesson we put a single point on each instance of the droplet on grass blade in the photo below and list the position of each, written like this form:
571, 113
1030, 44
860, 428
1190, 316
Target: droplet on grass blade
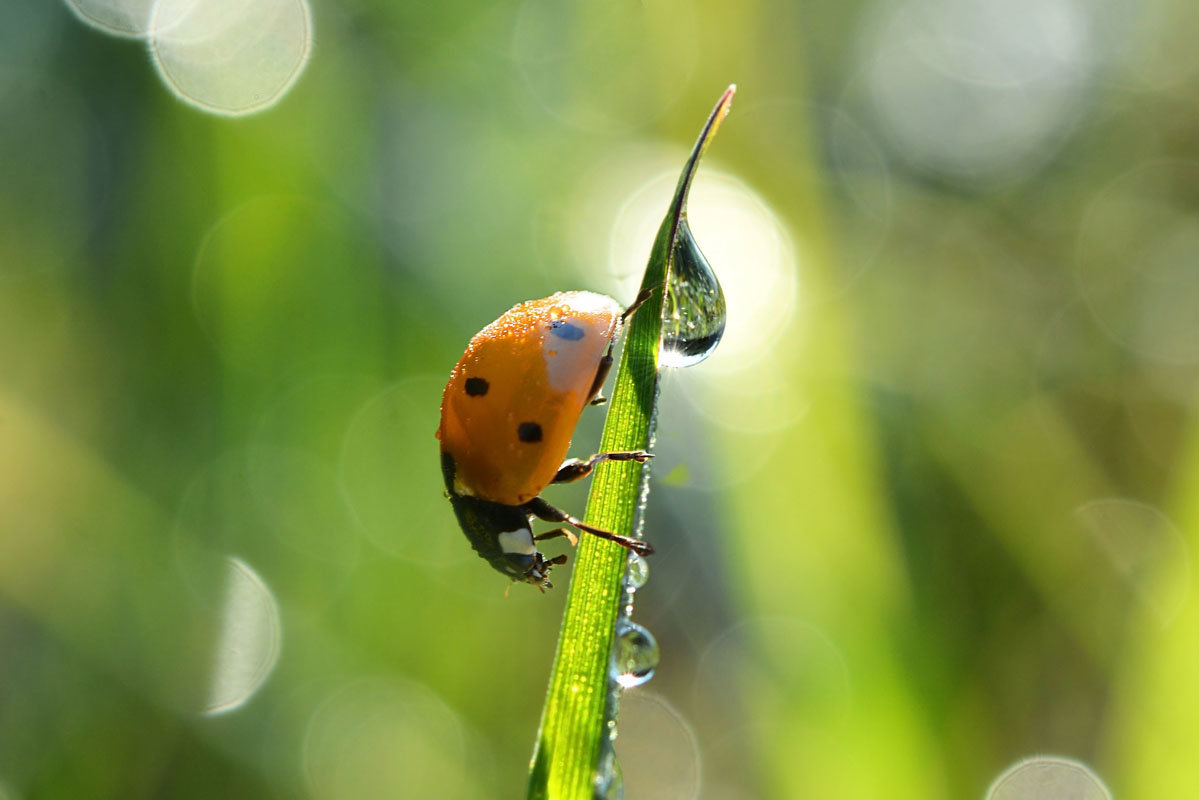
638, 572
609, 782
693, 314
635, 654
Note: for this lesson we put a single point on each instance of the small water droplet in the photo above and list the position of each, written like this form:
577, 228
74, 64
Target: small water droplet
634, 654
611, 730
693, 314
609, 782
638, 572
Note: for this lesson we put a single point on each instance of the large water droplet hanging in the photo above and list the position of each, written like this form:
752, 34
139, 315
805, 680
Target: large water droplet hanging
634, 654
693, 313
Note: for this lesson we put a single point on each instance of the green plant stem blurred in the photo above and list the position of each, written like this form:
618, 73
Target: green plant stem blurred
572, 723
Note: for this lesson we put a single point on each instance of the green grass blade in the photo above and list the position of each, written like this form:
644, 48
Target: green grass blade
573, 721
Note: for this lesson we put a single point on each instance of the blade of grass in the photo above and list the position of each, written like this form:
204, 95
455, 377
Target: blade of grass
573, 721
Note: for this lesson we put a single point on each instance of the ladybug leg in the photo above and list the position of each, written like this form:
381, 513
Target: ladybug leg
573, 469
554, 534
605, 365
601, 375
544, 510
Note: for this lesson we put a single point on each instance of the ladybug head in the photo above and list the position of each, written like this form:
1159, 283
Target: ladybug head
531, 567
538, 574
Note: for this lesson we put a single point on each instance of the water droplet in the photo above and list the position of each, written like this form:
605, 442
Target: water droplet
638, 572
634, 654
609, 782
693, 314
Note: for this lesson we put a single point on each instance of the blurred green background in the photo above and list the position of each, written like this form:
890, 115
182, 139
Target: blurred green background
931, 509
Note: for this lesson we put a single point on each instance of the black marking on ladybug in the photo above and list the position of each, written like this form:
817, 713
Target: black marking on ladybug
477, 387
566, 330
529, 432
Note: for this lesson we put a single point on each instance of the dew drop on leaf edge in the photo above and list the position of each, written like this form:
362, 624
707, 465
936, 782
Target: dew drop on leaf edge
635, 654
637, 573
693, 314
609, 782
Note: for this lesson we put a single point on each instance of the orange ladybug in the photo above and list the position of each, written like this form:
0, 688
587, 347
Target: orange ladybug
507, 415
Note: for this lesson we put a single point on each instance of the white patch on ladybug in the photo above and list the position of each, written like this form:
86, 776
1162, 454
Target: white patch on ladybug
572, 348
519, 541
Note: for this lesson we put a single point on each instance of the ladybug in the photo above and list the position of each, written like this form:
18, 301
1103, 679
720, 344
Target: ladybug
507, 415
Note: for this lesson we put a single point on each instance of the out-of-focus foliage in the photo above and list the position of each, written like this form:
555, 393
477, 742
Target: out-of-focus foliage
929, 510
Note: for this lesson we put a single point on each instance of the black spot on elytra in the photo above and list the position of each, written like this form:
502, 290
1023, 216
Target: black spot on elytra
566, 330
529, 432
477, 387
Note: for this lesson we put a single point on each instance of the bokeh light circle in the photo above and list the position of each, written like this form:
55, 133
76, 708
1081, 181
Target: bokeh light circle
230, 57
387, 738
278, 508
609, 67
1048, 778
118, 17
274, 260
782, 658
975, 91
1145, 549
1138, 245
298, 497
747, 246
656, 748
390, 475
249, 641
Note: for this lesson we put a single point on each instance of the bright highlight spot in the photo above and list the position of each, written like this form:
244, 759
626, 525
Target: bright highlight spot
751, 253
249, 640
230, 56
1048, 778
745, 244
